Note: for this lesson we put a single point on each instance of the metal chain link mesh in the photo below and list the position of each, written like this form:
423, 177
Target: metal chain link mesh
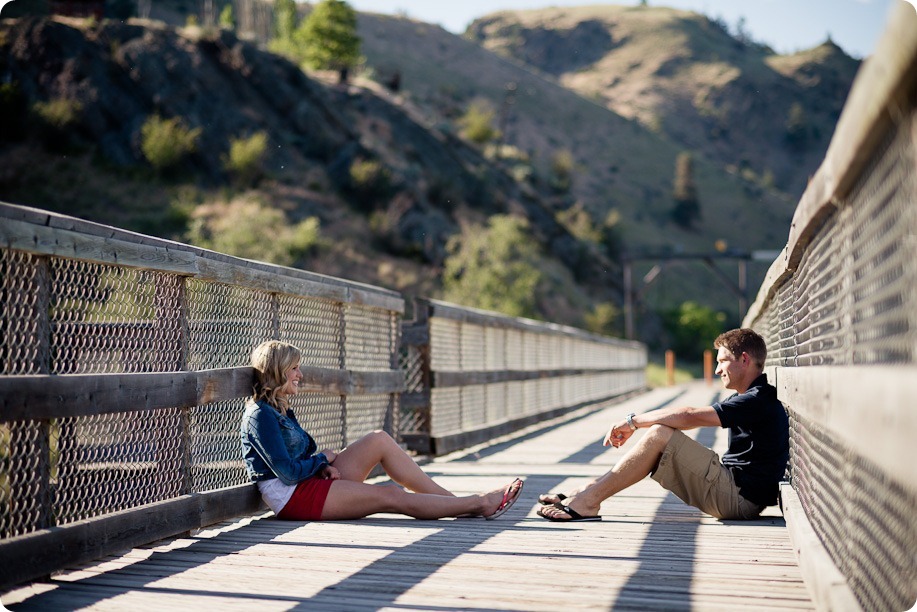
110, 319
64, 316
21, 276
853, 301
461, 346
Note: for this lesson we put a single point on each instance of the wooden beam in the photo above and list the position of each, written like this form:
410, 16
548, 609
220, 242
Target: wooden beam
46, 233
848, 400
461, 379
72, 395
486, 318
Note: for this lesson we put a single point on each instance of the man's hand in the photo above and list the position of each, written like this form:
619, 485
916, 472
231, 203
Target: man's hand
329, 472
618, 434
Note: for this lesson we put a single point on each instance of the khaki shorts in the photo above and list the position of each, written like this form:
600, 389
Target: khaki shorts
694, 473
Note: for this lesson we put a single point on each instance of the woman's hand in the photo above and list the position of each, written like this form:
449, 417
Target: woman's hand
329, 472
330, 455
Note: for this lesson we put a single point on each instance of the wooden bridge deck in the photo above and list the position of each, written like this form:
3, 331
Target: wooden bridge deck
650, 552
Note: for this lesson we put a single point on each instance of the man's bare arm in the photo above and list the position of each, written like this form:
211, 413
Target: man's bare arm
683, 417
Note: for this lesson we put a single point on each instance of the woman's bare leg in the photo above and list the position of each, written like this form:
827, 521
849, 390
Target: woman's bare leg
357, 460
352, 500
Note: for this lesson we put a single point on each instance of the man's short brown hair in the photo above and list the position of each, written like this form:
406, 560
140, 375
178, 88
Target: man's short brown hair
743, 340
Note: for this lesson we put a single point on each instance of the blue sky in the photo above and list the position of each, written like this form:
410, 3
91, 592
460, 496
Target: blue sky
785, 25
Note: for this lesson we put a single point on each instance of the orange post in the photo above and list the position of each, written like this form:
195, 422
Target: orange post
670, 368
708, 367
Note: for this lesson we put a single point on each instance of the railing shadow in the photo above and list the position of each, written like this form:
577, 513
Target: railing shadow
669, 587
158, 566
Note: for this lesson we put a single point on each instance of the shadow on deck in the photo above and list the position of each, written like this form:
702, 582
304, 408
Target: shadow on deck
650, 552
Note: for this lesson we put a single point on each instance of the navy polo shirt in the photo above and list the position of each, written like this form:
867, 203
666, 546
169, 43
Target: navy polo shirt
759, 440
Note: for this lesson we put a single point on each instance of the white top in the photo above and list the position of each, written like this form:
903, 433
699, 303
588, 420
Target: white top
275, 494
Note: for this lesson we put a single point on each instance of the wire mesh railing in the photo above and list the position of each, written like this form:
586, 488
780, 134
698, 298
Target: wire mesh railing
839, 314
472, 374
125, 367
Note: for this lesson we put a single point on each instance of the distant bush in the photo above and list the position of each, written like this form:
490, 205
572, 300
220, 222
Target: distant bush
495, 268
165, 142
59, 113
245, 157
56, 121
603, 319
370, 180
562, 167
477, 124
686, 210
244, 227
579, 222
692, 329
227, 18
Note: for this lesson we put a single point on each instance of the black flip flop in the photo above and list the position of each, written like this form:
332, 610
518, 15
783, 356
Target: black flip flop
574, 515
559, 496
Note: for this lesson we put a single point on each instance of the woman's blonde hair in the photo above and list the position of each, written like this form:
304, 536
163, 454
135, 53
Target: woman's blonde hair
271, 360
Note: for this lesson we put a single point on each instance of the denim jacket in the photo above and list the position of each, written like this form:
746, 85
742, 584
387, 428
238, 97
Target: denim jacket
275, 446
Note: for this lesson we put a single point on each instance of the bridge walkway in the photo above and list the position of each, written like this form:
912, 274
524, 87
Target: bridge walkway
650, 552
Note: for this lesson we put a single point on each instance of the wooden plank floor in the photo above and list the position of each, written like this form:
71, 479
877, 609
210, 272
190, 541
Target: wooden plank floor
651, 552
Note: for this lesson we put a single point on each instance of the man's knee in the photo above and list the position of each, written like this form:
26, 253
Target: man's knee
658, 436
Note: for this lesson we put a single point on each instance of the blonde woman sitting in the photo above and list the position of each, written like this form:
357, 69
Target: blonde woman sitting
300, 484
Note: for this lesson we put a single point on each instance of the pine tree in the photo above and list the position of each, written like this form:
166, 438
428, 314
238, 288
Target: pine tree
687, 208
329, 37
284, 19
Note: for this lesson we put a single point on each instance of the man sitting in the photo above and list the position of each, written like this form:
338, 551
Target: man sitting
738, 487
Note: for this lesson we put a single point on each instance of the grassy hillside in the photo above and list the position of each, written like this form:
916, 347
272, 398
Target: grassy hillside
384, 167
621, 165
387, 192
680, 74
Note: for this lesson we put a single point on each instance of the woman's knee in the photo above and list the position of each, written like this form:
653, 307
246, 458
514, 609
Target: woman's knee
393, 498
380, 439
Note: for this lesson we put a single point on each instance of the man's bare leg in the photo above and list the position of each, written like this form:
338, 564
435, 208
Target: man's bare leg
634, 466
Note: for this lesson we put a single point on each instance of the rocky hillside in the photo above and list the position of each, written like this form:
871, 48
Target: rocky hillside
390, 227
398, 126
682, 75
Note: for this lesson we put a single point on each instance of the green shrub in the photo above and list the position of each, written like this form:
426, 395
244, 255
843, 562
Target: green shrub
245, 157
495, 268
579, 222
165, 142
55, 121
562, 166
477, 124
692, 329
603, 319
370, 180
244, 227
227, 18
59, 113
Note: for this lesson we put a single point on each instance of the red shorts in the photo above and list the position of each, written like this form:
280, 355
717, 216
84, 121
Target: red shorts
307, 501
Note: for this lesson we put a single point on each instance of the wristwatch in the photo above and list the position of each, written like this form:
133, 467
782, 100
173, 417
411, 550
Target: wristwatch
630, 421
